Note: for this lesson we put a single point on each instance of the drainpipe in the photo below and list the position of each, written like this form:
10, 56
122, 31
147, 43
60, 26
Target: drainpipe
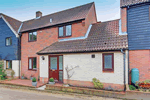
19, 53
124, 65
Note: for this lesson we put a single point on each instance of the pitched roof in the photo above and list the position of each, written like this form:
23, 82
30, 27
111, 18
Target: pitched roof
15, 24
124, 3
68, 15
102, 36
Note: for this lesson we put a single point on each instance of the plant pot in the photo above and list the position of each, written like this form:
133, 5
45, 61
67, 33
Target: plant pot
52, 83
34, 83
22, 77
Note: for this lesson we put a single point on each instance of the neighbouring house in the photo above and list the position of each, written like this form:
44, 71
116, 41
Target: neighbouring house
9, 44
73, 37
138, 22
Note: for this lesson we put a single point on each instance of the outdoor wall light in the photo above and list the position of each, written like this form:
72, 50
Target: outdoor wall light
43, 58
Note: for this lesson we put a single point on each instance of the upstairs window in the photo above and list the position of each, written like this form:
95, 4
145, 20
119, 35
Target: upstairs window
8, 41
32, 36
32, 63
108, 62
65, 31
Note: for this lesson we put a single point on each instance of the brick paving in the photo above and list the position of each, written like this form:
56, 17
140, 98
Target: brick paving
22, 82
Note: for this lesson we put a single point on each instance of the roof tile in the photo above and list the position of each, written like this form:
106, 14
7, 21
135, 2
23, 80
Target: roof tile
102, 36
68, 15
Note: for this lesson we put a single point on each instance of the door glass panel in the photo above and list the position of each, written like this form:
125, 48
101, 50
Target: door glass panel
61, 76
60, 62
53, 62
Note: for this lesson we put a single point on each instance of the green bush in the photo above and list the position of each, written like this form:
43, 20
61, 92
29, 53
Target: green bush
34, 79
12, 74
51, 79
131, 87
3, 75
97, 83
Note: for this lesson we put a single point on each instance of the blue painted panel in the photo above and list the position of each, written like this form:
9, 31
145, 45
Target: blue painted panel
138, 27
7, 52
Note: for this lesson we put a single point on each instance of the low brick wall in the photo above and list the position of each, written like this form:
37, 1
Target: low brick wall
85, 91
107, 86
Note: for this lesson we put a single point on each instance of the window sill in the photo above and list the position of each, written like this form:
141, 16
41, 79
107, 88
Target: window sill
64, 36
32, 69
108, 71
32, 41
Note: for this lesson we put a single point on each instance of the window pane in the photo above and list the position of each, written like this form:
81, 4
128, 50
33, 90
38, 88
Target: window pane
68, 30
60, 31
30, 63
53, 61
34, 63
34, 36
108, 61
10, 41
60, 62
61, 76
6, 41
30, 36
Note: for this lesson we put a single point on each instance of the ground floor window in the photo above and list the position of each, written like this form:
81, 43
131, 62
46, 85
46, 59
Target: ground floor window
108, 62
32, 63
8, 64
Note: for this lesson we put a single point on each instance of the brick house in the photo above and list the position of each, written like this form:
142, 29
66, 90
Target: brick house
10, 44
73, 37
138, 22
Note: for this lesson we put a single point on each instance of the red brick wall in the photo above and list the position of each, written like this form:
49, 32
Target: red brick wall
91, 17
46, 37
124, 19
140, 59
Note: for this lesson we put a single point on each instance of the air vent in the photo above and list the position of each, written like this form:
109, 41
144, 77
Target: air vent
51, 20
93, 56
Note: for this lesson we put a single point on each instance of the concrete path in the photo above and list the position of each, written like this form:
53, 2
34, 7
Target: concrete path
42, 87
14, 94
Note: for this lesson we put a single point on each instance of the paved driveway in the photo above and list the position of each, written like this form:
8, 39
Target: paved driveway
14, 94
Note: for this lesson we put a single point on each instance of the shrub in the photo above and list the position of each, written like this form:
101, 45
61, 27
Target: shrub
34, 79
97, 83
131, 87
51, 79
3, 74
12, 74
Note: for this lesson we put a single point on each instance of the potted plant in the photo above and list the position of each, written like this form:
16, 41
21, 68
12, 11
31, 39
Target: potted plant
51, 81
22, 76
34, 82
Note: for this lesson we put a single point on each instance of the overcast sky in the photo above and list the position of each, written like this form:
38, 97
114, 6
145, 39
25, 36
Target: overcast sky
25, 9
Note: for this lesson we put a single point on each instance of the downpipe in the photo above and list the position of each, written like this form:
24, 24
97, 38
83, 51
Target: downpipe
124, 71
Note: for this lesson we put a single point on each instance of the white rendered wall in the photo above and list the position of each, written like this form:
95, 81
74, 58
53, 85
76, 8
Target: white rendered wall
44, 67
15, 67
92, 67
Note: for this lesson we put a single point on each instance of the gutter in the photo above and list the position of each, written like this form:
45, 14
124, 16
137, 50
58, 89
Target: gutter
124, 71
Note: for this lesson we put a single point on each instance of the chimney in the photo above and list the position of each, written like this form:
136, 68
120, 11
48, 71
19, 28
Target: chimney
38, 14
123, 19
